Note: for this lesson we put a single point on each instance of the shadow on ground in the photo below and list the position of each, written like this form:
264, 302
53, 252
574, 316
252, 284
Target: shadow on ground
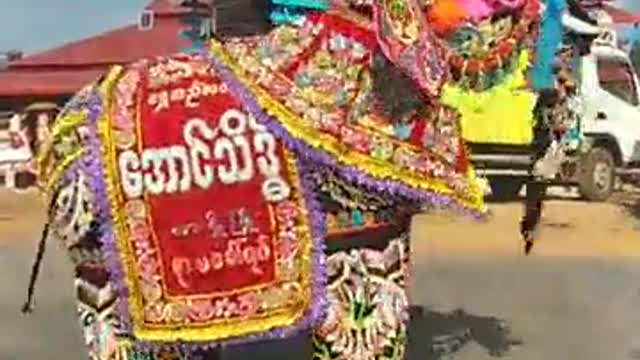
632, 208
629, 201
441, 334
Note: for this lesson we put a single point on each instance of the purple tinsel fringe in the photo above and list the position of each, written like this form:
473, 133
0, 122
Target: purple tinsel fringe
319, 157
91, 164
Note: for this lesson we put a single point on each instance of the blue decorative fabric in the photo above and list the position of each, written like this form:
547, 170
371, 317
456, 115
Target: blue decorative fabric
549, 42
195, 46
192, 32
284, 15
292, 11
309, 4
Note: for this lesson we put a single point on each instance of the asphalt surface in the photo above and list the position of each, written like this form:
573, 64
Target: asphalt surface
576, 297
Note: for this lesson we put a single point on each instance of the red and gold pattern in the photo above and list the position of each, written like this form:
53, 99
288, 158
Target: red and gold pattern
505, 48
209, 218
323, 98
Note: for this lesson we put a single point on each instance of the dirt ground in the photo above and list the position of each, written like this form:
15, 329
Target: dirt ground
570, 227
575, 297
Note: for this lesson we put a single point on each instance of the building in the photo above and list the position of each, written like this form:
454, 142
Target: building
35, 86
53, 75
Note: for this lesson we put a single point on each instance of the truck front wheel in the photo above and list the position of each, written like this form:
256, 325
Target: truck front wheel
597, 178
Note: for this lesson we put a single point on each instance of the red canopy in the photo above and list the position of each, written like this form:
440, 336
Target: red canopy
621, 16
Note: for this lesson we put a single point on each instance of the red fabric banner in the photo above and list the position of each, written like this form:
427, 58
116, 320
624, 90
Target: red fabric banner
228, 218
211, 223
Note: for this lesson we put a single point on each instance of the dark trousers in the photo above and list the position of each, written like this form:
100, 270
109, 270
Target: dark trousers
536, 188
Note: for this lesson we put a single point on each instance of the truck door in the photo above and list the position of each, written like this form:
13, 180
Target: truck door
611, 104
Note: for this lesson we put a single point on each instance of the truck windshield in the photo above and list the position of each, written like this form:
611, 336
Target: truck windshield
615, 76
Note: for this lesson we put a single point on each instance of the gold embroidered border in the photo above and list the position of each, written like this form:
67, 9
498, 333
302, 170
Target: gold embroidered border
301, 129
201, 332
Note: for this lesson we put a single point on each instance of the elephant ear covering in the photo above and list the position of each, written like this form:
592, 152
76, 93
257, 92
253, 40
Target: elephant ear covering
169, 133
317, 86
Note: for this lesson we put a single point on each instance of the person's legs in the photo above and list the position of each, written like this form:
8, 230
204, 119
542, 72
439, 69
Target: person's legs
536, 187
535, 192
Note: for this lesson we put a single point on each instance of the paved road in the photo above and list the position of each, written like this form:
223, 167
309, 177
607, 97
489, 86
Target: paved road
577, 297
51, 332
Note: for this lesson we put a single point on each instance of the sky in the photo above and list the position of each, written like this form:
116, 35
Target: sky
33, 25
630, 32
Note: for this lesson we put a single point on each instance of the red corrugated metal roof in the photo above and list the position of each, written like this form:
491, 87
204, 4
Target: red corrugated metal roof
65, 69
46, 83
119, 46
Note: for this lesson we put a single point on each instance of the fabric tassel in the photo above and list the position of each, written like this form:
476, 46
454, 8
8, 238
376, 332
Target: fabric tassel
549, 41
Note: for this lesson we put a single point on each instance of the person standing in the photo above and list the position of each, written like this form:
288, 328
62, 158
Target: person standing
560, 18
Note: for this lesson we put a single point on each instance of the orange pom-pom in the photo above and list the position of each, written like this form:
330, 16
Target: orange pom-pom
445, 16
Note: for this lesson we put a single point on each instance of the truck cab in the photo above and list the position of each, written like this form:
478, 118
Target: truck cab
610, 120
609, 125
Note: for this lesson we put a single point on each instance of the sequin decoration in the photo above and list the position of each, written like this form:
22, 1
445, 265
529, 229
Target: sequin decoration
483, 52
353, 209
323, 95
75, 224
240, 259
368, 305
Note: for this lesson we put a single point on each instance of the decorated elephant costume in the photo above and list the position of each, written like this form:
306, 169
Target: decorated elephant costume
263, 187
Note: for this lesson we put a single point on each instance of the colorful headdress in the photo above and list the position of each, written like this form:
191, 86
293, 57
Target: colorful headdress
445, 16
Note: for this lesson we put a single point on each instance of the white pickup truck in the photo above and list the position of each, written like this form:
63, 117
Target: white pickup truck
609, 123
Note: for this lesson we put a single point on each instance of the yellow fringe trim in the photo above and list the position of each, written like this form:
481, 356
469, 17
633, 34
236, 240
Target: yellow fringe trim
204, 332
301, 129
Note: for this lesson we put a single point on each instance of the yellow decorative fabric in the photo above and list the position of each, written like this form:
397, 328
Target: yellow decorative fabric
499, 115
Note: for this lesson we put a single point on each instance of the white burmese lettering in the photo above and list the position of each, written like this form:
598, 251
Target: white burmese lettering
155, 179
130, 173
226, 152
245, 172
268, 163
224, 148
179, 180
199, 150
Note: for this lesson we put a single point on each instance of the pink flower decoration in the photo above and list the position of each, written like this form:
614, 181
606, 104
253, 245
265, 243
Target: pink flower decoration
476, 9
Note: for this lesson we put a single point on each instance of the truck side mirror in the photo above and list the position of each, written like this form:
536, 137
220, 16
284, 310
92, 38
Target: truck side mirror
601, 116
